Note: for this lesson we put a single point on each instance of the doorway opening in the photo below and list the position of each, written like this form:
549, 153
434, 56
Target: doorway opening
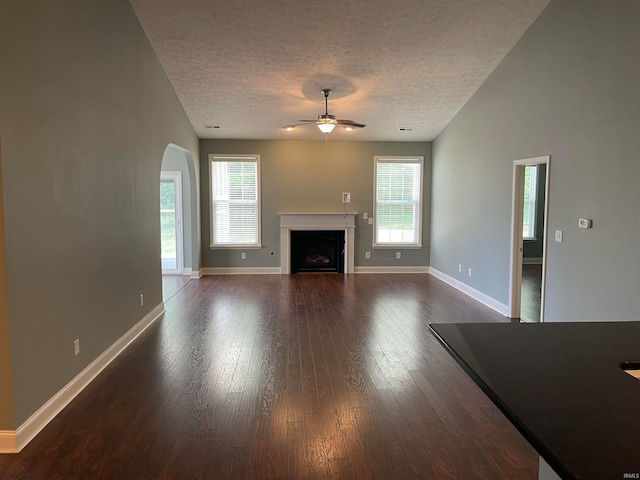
179, 218
530, 208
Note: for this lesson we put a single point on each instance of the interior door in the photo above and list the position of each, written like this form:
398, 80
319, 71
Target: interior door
171, 223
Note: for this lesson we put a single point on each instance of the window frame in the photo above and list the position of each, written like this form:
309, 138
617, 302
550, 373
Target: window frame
235, 158
534, 203
406, 159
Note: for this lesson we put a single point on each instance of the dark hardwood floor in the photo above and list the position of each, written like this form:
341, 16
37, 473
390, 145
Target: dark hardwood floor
273, 377
530, 293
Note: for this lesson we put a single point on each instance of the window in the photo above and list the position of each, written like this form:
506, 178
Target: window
398, 201
530, 201
235, 200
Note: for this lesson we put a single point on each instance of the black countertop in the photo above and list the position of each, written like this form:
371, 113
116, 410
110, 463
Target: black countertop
561, 385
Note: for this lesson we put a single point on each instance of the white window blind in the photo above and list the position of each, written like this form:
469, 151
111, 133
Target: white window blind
235, 200
398, 201
530, 200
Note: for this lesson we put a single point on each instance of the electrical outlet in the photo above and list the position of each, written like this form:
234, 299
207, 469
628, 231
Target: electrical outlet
365, 215
367, 255
370, 220
141, 299
76, 347
460, 268
469, 272
398, 254
346, 197
243, 255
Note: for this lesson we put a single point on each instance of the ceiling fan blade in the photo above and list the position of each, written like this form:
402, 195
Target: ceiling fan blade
350, 123
308, 121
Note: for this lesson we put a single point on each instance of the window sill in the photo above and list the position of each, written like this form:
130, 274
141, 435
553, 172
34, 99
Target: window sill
396, 246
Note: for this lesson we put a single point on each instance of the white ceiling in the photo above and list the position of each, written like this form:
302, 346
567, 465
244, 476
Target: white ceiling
254, 66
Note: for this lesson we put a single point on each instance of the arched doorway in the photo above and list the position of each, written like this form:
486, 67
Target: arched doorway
180, 239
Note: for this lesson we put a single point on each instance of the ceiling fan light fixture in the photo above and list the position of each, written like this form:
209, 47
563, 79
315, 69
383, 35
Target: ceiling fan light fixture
326, 123
326, 127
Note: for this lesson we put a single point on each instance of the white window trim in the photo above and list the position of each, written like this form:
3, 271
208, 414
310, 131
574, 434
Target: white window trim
397, 159
235, 158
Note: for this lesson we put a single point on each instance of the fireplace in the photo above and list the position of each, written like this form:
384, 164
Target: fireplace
334, 221
317, 251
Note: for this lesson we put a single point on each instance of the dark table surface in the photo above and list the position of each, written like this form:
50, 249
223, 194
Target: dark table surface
561, 385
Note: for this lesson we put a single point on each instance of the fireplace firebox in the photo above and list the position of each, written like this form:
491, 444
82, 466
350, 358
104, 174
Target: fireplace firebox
317, 221
317, 251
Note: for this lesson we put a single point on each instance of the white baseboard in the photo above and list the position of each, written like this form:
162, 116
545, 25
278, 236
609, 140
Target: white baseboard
472, 292
187, 272
240, 271
276, 270
196, 274
8, 441
14, 441
392, 269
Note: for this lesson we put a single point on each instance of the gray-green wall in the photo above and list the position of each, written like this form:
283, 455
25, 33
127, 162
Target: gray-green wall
86, 112
310, 176
569, 89
6, 385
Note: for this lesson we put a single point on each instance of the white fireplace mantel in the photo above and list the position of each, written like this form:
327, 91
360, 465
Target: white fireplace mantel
317, 221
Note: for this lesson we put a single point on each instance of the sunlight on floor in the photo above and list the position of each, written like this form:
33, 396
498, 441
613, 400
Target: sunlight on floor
172, 284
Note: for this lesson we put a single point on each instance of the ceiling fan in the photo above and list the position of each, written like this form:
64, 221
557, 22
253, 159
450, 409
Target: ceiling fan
326, 122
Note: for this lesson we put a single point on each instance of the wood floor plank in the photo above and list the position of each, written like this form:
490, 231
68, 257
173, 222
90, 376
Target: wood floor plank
531, 293
287, 377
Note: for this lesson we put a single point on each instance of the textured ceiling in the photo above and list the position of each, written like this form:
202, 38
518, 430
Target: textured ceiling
254, 66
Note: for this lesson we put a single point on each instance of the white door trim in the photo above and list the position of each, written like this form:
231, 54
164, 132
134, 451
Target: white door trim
176, 178
515, 280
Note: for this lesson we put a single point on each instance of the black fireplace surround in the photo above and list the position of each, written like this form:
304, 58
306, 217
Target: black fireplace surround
317, 251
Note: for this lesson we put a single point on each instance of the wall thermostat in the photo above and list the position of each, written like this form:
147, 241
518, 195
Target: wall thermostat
585, 223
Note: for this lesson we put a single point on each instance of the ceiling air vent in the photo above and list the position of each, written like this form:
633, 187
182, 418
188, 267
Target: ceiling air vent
405, 129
